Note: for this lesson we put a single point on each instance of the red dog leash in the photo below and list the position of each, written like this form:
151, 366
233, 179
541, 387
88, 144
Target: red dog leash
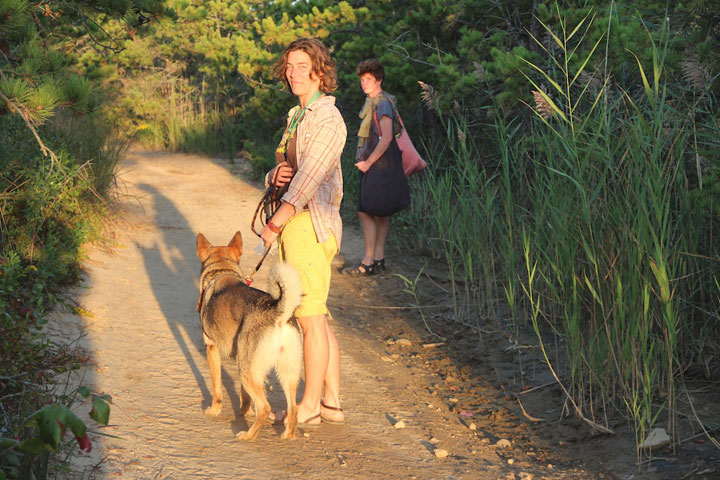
249, 280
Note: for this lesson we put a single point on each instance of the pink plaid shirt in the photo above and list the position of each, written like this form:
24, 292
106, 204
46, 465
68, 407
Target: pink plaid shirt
318, 183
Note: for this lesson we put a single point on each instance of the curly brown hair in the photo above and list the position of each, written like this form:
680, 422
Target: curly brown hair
322, 65
373, 67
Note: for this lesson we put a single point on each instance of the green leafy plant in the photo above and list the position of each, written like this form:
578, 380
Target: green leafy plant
44, 431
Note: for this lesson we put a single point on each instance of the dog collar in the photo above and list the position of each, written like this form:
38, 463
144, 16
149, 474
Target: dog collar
202, 295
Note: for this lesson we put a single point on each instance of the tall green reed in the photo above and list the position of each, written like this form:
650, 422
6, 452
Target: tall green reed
464, 196
589, 228
605, 202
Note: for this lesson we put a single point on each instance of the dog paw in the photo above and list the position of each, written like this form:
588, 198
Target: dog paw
213, 410
286, 435
244, 436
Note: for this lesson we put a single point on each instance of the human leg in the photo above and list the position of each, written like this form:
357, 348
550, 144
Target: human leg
382, 227
370, 232
330, 405
312, 260
316, 350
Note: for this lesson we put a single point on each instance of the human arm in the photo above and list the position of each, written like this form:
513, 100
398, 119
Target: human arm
323, 141
278, 219
382, 145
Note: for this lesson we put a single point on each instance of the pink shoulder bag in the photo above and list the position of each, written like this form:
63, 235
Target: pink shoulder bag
412, 162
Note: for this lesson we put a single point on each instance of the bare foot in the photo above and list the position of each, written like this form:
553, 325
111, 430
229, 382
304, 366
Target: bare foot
308, 420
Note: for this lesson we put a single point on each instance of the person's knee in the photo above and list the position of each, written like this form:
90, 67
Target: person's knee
315, 324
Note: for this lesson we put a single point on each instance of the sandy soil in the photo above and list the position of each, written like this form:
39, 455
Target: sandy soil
138, 320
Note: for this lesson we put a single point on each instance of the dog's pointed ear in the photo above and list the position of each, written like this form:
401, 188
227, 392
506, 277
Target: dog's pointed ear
201, 245
236, 244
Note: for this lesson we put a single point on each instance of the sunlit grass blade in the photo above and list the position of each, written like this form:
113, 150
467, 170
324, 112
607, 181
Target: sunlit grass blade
552, 82
550, 32
577, 27
648, 90
587, 59
547, 99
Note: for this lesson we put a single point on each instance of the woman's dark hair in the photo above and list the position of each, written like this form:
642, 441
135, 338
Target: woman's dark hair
322, 65
373, 67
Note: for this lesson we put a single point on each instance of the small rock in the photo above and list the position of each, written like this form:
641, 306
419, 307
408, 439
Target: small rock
526, 476
385, 358
434, 440
510, 461
394, 356
306, 435
503, 443
472, 426
403, 342
485, 441
430, 405
399, 425
657, 438
550, 466
440, 453
452, 400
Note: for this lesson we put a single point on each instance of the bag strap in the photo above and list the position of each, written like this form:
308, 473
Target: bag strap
395, 112
377, 124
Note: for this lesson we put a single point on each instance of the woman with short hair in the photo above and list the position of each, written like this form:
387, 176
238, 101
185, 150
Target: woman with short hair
371, 146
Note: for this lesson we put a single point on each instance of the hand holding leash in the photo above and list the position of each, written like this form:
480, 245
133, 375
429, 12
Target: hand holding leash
282, 174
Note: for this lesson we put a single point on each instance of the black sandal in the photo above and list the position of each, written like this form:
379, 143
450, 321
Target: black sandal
360, 269
379, 265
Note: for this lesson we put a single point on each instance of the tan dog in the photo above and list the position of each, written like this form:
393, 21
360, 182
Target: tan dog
255, 328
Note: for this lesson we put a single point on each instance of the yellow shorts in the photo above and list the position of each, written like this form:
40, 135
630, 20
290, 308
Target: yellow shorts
299, 247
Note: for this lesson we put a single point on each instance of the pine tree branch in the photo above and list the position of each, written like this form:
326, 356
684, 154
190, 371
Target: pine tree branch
14, 106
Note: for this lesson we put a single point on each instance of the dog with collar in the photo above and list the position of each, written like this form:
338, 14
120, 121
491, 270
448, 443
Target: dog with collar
255, 328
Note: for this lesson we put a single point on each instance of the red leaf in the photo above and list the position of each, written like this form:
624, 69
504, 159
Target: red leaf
84, 443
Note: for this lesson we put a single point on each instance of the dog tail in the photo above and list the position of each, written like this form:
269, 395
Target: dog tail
285, 288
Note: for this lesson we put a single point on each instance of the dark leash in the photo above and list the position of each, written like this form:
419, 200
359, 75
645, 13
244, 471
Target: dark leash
263, 212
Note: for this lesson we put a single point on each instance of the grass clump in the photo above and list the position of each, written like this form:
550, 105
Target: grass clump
48, 210
594, 222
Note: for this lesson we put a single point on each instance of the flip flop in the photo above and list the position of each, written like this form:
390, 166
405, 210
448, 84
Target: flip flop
280, 420
329, 420
305, 424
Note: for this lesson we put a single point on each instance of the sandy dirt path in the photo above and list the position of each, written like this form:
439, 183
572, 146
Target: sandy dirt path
139, 323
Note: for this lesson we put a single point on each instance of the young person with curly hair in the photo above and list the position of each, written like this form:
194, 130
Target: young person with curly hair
307, 224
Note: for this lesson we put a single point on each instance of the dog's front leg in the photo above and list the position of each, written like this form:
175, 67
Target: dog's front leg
213, 358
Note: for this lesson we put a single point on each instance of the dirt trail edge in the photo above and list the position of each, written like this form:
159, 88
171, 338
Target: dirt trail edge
138, 320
